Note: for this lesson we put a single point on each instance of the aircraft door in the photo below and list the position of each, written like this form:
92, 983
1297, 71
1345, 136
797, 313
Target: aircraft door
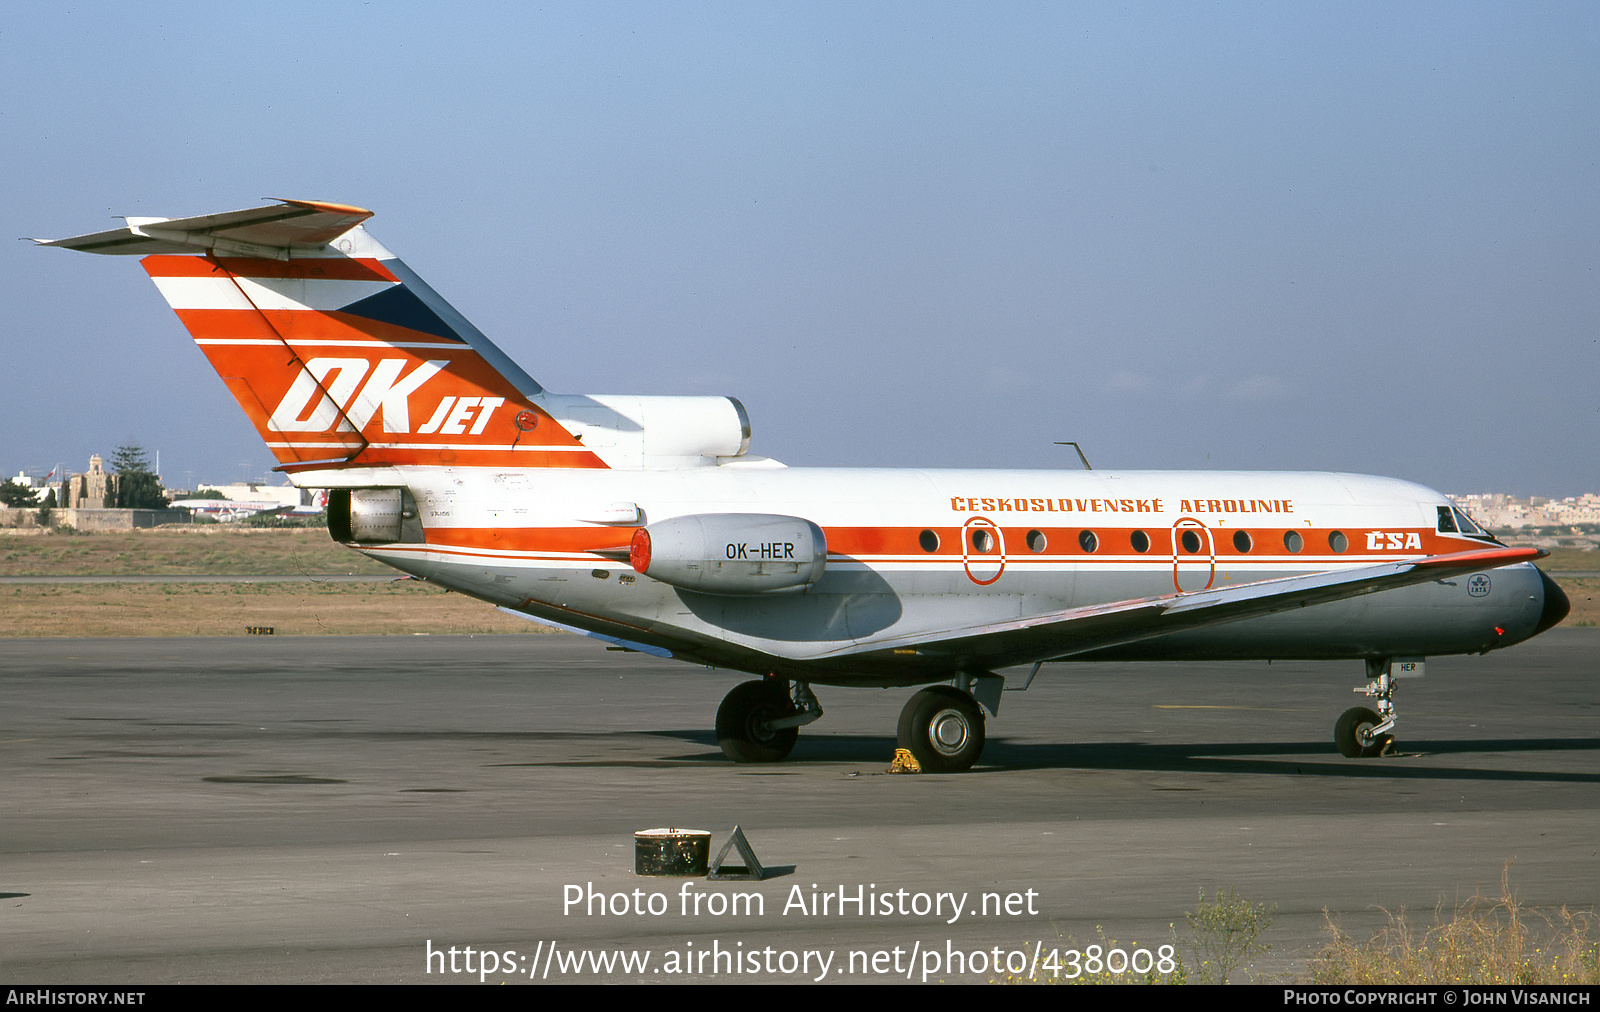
983, 550
1194, 555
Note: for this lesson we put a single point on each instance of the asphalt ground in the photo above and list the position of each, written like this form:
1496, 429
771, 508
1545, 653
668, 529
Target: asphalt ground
327, 809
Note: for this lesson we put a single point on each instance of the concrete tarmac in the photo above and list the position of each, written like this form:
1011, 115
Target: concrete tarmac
329, 809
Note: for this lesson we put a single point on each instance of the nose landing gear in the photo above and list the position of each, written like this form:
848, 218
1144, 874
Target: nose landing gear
1361, 733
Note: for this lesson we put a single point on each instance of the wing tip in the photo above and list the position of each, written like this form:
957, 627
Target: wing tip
1503, 556
324, 205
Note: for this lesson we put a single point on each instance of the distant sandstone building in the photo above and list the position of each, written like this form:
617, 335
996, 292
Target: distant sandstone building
94, 489
1499, 511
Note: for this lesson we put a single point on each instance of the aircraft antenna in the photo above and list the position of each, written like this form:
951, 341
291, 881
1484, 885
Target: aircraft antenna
1081, 457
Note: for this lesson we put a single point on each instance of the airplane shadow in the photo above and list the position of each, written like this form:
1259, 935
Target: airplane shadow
1000, 755
1298, 758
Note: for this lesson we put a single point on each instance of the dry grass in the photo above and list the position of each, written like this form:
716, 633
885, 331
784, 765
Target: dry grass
302, 608
203, 550
1484, 941
1227, 931
226, 609
1567, 560
1584, 593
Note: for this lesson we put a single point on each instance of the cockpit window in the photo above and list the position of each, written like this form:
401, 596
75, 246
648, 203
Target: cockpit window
1465, 525
1447, 520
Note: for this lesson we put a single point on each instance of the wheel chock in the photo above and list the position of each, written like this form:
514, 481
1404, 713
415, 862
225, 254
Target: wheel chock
752, 870
904, 762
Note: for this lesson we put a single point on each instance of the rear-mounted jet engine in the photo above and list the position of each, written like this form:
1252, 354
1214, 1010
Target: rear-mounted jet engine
731, 553
373, 516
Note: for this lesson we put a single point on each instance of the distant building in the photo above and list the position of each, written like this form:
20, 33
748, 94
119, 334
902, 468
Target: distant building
86, 502
93, 489
1573, 522
1496, 510
40, 489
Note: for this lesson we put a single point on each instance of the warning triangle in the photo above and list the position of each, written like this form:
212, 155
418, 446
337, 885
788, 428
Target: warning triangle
752, 870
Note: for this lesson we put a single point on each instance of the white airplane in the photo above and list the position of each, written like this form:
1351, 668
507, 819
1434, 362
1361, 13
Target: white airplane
230, 510
646, 522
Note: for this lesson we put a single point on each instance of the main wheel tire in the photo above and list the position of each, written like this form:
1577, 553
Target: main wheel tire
742, 717
1353, 736
943, 728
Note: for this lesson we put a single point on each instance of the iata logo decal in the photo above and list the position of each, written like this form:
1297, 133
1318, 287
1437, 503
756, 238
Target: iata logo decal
305, 408
1478, 585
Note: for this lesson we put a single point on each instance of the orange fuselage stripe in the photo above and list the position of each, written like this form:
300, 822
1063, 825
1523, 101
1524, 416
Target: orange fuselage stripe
902, 543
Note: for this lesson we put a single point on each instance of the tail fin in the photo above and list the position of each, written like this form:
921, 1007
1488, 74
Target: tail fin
340, 355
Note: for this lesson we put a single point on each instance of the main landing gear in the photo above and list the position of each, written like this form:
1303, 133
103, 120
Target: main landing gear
1361, 733
759, 721
943, 728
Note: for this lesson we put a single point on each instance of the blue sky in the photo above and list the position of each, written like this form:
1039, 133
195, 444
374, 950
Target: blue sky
1358, 237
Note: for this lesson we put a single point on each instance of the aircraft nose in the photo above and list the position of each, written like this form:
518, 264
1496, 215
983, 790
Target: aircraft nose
1556, 604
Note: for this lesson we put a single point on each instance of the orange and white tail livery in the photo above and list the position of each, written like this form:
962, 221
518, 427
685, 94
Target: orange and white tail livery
337, 352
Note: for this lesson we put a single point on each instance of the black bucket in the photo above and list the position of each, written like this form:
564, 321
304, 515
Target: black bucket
681, 852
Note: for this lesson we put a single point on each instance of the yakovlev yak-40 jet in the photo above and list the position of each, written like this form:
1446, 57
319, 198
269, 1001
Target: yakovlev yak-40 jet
645, 521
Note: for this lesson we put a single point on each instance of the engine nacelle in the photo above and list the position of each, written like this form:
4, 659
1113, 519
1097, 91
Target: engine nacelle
373, 515
731, 553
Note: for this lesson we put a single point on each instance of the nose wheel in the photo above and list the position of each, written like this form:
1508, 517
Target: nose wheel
943, 728
1362, 733
1353, 734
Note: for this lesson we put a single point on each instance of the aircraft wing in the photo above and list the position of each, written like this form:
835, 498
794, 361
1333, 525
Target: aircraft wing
269, 232
1062, 634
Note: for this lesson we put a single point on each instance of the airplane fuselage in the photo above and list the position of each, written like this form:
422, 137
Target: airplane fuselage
913, 552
